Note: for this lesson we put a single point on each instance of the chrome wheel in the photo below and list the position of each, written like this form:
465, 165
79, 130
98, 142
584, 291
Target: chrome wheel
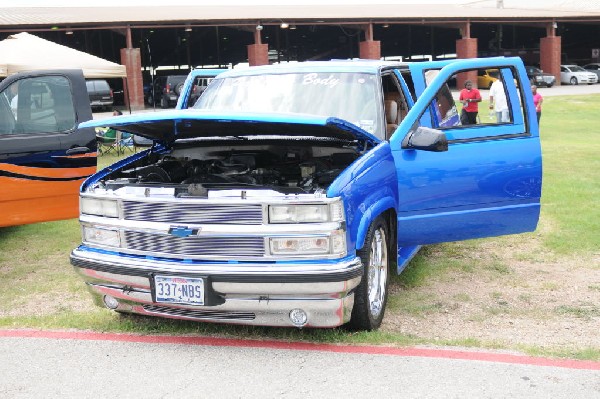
378, 272
370, 297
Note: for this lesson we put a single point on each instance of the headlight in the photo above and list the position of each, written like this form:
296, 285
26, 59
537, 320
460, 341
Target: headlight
306, 213
300, 246
100, 207
334, 244
101, 236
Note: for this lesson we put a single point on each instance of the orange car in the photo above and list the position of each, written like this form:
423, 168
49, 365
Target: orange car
485, 78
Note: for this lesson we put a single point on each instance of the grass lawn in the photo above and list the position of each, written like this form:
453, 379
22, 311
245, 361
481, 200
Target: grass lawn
40, 289
570, 131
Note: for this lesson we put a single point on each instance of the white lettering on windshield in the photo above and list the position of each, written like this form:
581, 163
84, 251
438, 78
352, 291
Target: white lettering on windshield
313, 79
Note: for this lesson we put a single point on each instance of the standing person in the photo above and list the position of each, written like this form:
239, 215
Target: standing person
537, 101
14, 100
470, 97
498, 102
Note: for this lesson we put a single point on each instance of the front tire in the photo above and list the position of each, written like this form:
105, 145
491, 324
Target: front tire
370, 297
573, 81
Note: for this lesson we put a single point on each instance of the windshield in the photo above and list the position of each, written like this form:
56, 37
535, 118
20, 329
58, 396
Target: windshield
576, 68
349, 96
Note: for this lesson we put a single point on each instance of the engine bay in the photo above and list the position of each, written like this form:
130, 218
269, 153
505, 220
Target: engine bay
301, 167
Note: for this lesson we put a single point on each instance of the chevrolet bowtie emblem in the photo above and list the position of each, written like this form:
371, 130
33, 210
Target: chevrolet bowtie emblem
183, 231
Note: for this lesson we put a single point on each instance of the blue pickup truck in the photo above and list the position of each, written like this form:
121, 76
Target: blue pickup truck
287, 194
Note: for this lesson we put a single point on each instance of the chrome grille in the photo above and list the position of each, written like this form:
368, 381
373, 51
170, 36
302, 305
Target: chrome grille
195, 245
192, 213
199, 314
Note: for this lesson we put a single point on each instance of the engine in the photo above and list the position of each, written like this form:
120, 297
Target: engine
302, 169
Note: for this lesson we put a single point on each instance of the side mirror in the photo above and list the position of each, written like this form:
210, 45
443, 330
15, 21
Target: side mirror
426, 139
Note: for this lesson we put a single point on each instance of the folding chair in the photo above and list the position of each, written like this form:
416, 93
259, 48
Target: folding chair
107, 141
125, 142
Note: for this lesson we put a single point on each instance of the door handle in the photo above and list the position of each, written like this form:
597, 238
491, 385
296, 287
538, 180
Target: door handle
78, 150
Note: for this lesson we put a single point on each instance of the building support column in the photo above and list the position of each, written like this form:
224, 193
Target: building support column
133, 85
369, 49
550, 52
466, 47
258, 53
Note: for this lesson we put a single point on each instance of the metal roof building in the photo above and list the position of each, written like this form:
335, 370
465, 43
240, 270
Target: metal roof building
185, 34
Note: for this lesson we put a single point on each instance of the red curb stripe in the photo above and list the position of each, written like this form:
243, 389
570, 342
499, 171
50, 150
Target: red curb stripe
371, 350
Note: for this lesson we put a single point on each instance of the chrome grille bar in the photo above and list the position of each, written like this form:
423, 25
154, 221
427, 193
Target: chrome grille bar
200, 314
195, 245
192, 213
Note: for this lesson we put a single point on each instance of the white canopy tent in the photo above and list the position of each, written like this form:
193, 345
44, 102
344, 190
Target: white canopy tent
26, 52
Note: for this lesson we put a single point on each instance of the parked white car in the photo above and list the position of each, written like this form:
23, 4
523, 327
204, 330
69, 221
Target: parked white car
574, 75
594, 68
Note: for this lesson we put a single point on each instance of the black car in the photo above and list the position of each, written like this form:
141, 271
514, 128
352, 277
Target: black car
539, 78
165, 90
100, 93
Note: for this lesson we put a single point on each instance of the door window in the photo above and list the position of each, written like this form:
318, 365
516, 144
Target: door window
473, 112
37, 105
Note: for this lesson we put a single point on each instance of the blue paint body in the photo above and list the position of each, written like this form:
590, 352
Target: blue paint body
487, 183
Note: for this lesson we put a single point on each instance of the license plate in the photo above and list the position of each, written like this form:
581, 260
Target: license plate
184, 290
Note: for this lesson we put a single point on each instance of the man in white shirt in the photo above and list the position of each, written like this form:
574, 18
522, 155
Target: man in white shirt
14, 102
498, 102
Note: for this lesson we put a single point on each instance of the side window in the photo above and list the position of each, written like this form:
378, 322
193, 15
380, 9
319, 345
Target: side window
471, 108
395, 103
443, 109
8, 109
37, 105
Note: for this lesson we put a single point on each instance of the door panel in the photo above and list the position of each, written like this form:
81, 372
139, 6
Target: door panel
44, 158
488, 183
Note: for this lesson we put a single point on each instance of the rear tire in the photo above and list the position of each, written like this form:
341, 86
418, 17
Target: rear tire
164, 103
370, 297
178, 88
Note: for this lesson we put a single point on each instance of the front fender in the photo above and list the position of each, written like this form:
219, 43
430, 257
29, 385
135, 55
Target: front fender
368, 187
371, 214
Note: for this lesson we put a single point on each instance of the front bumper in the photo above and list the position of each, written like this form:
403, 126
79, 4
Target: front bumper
101, 103
242, 293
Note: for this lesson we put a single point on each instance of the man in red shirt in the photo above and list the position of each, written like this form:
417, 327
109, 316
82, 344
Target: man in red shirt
469, 97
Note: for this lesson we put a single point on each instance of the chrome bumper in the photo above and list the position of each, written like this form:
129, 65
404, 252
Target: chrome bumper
253, 294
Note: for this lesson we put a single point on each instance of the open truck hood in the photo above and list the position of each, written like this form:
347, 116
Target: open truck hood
168, 126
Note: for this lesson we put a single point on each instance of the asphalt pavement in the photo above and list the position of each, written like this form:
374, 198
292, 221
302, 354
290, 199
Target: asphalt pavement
36, 364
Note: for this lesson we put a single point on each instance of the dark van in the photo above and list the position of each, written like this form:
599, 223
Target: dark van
100, 94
